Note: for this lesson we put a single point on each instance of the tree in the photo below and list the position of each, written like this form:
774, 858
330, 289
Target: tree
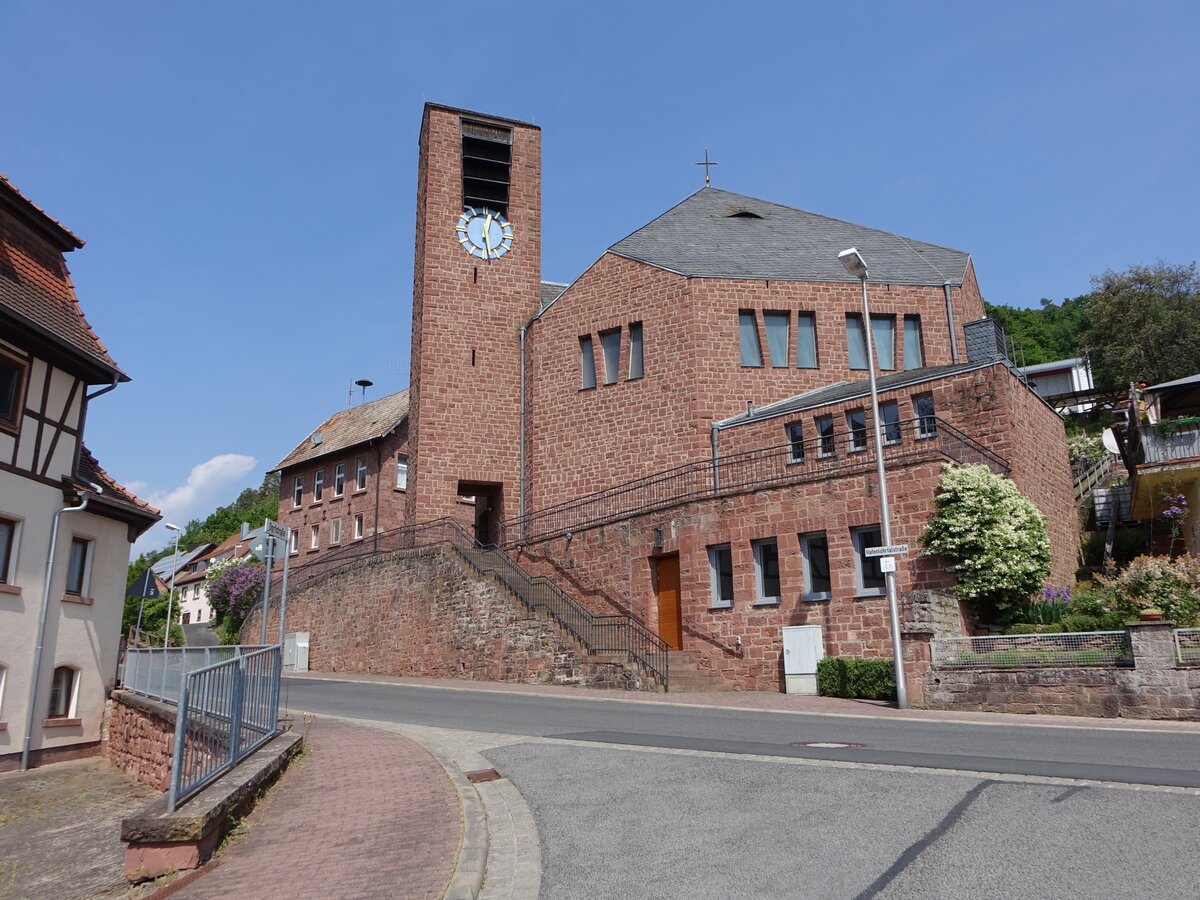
232, 592
1143, 324
1043, 335
990, 537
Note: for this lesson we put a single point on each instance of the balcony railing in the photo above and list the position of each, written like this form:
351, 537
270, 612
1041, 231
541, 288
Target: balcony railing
1154, 447
838, 454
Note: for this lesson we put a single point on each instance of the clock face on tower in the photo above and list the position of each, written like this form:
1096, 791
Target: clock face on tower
484, 233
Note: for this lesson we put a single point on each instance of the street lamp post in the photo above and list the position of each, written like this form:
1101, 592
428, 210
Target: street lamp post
171, 594
856, 266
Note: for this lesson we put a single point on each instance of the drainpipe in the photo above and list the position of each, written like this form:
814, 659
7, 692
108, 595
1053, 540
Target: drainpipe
41, 639
950, 319
521, 438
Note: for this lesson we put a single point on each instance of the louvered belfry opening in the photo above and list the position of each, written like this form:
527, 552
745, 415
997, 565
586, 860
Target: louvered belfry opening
486, 165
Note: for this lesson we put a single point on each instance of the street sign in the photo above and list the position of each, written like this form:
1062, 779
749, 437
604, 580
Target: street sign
890, 550
887, 564
275, 530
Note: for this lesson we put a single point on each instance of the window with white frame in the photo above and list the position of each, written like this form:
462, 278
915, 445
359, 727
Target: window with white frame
339, 480
3, 671
587, 363
856, 423
889, 418
318, 486
79, 566
806, 341
63, 689
294, 540
814, 547
795, 436
298, 491
827, 440
636, 362
610, 349
360, 477
358, 527
401, 471
766, 571
867, 571
314, 536
926, 415
778, 326
335, 531
9, 530
748, 338
914, 356
720, 574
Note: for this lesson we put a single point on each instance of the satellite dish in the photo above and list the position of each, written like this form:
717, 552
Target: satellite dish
316, 438
1109, 439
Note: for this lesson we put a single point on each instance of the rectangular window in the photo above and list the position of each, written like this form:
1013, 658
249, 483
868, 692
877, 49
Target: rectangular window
587, 363
360, 477
12, 392
636, 366
77, 567
720, 572
825, 435
926, 416
779, 337
914, 358
358, 527
339, 480
401, 471
748, 335
867, 571
318, 486
815, 549
610, 349
335, 531
806, 341
883, 330
766, 571
62, 693
314, 540
8, 541
294, 541
795, 436
856, 342
889, 417
298, 491
856, 422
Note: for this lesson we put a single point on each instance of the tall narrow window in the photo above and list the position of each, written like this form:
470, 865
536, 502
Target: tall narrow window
720, 572
883, 330
636, 366
926, 415
825, 435
817, 583
587, 363
8, 540
62, 693
294, 540
610, 349
314, 540
889, 418
856, 342
766, 571
298, 491
318, 486
806, 341
795, 436
856, 422
866, 568
401, 471
748, 335
339, 480
360, 477
335, 531
12, 390
358, 527
914, 358
77, 567
779, 337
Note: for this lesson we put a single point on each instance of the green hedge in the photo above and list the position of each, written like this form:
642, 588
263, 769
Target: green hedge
867, 679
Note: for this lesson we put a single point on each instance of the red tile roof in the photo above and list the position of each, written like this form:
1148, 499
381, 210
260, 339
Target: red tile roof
90, 471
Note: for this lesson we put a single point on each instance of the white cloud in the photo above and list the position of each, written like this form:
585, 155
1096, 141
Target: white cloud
207, 487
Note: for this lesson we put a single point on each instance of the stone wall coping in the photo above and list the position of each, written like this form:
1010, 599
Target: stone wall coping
213, 806
156, 708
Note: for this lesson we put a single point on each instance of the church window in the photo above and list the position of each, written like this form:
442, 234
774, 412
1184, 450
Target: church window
12, 389
610, 349
486, 165
815, 549
856, 421
913, 357
795, 436
926, 415
828, 443
867, 570
587, 363
806, 341
748, 335
636, 366
720, 570
883, 330
779, 337
766, 571
889, 417
856, 342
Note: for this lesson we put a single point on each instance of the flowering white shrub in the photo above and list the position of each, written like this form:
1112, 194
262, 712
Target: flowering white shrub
989, 536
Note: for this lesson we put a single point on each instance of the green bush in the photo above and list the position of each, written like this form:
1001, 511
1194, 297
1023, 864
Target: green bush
1080, 622
1053, 628
1022, 628
866, 679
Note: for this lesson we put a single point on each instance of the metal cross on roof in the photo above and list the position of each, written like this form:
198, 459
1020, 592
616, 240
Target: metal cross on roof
706, 164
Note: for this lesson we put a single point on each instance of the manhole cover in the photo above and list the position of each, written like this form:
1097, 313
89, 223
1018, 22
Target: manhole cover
483, 775
832, 744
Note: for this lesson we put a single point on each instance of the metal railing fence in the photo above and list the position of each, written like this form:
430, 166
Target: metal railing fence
1187, 646
159, 672
840, 453
226, 711
1092, 648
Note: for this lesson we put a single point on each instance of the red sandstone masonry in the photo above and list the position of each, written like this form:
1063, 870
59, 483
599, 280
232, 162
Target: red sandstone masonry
140, 741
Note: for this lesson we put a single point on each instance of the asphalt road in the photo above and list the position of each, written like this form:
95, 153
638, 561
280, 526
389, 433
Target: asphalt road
1133, 757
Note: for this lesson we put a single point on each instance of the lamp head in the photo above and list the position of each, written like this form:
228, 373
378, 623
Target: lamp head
171, 527
855, 265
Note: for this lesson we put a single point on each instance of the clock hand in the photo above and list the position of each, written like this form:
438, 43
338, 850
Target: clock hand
487, 248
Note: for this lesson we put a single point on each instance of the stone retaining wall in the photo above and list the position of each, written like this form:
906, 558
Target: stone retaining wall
140, 738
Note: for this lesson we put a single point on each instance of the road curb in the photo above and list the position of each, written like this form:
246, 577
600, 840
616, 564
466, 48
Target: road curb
470, 868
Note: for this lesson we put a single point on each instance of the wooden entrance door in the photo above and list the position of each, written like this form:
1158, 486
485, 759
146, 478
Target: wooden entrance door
670, 622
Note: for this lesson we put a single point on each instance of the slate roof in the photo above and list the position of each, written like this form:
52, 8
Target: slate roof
349, 427
719, 234
551, 291
35, 287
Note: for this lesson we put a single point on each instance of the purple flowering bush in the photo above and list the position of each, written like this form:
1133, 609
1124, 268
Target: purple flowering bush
234, 592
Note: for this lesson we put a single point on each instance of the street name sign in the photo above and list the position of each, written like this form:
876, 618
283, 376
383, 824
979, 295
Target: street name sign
890, 550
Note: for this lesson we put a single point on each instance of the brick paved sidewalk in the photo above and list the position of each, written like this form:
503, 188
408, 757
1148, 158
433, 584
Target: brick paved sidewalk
367, 813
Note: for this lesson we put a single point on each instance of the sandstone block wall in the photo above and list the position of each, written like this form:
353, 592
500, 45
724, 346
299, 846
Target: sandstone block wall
141, 738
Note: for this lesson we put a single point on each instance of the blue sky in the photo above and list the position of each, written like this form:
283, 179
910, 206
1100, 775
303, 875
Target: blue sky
244, 172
